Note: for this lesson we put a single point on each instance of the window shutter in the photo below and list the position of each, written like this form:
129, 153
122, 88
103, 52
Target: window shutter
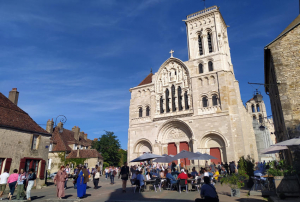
42, 171
22, 164
7, 164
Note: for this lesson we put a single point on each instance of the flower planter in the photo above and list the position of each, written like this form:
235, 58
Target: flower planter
235, 192
288, 185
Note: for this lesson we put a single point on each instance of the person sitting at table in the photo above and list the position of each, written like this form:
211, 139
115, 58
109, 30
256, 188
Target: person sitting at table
161, 174
182, 176
201, 172
206, 173
141, 178
134, 174
171, 178
208, 192
194, 173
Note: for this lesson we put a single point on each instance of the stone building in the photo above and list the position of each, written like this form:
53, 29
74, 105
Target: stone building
282, 83
65, 142
23, 143
194, 105
92, 156
263, 128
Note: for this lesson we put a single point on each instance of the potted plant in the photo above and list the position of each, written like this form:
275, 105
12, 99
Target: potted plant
285, 178
235, 182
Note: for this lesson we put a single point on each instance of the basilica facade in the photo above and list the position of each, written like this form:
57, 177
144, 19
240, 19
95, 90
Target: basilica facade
193, 105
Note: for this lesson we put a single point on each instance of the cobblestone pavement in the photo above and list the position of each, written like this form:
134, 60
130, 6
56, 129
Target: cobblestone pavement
108, 192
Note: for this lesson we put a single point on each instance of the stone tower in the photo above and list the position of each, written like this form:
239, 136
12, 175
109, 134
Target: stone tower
263, 128
193, 105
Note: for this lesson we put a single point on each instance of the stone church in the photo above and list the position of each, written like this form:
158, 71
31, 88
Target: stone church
193, 105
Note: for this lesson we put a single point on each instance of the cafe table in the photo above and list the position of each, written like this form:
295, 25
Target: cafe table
148, 183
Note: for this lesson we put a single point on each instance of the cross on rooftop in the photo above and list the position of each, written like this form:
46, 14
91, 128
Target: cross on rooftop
171, 53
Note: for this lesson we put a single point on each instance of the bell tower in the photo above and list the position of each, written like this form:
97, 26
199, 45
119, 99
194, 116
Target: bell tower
207, 38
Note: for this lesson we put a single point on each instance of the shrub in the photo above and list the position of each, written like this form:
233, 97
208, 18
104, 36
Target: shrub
105, 164
235, 181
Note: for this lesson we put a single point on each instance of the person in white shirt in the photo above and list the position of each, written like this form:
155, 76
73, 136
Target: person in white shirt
3, 182
68, 171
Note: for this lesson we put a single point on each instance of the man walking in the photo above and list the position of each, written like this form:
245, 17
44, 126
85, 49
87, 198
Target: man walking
3, 182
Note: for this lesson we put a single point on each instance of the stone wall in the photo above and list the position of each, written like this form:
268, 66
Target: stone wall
285, 97
17, 145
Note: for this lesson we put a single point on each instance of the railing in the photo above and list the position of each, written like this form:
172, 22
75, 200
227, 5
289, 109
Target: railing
202, 11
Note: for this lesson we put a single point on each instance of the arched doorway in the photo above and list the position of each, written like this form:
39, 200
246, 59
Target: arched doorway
175, 136
142, 146
214, 145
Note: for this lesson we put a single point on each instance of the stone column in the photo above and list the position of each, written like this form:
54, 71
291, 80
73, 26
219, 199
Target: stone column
205, 44
178, 149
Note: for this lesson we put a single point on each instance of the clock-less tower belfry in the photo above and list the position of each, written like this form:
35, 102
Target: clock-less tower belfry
193, 105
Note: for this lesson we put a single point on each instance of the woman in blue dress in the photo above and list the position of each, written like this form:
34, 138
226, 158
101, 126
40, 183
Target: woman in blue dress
81, 186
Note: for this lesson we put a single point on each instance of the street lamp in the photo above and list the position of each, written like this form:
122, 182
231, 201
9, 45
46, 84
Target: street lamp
63, 120
257, 96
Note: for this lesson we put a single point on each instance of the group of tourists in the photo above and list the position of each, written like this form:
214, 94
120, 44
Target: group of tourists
23, 182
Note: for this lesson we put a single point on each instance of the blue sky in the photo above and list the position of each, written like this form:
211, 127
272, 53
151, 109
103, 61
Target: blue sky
79, 58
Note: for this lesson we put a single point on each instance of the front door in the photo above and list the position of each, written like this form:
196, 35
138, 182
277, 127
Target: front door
186, 161
172, 150
215, 152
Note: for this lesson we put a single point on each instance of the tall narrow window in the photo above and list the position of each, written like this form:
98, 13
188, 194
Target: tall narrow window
167, 101
204, 102
179, 99
214, 100
140, 112
34, 142
210, 66
186, 100
173, 99
161, 102
257, 108
260, 119
209, 42
148, 111
200, 68
253, 108
200, 45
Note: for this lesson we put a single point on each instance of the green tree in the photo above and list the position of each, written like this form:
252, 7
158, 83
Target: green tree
108, 145
123, 154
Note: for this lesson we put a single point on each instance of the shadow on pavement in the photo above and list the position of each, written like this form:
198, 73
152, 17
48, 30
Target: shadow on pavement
33, 198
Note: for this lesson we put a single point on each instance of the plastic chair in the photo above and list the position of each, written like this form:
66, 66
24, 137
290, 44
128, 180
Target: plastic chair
198, 184
137, 185
182, 184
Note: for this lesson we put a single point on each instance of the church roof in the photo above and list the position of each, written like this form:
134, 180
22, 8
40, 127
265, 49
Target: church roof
12, 116
147, 80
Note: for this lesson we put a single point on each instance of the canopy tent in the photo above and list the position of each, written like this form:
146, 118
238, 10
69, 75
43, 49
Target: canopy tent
165, 159
146, 157
201, 156
290, 142
273, 149
185, 154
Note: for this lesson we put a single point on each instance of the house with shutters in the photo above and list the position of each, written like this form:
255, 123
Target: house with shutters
24, 144
66, 145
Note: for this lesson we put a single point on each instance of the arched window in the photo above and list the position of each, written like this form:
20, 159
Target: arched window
148, 111
140, 112
260, 119
179, 98
161, 102
204, 102
253, 108
167, 101
200, 45
257, 108
210, 66
200, 68
173, 98
209, 42
215, 100
186, 100
254, 118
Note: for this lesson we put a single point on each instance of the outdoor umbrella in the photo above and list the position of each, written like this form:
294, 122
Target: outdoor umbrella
290, 142
165, 159
273, 149
146, 157
185, 154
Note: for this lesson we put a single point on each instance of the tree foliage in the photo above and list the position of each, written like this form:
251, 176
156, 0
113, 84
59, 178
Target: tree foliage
108, 145
123, 158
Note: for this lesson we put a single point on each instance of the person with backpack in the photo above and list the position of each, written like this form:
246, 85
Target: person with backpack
208, 192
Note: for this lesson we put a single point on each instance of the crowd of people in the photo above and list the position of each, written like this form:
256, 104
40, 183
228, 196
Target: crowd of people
21, 181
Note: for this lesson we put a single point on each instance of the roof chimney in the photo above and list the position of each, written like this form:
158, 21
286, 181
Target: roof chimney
76, 131
60, 127
14, 96
85, 136
49, 126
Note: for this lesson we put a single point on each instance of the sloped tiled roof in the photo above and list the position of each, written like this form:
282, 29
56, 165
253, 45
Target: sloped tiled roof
65, 138
85, 153
11, 116
147, 80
